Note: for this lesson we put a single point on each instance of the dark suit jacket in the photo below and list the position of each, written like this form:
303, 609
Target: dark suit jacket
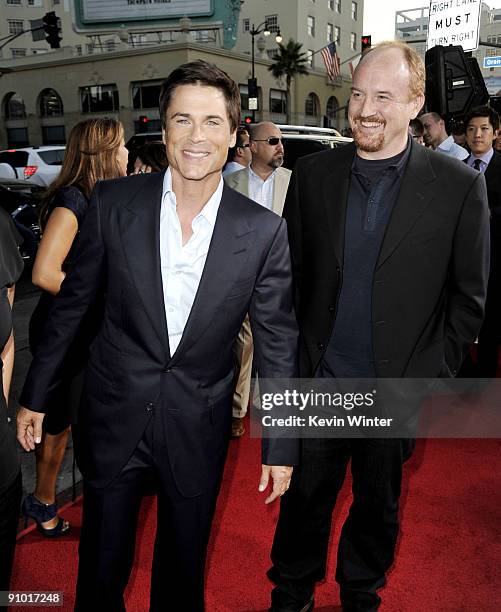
431, 274
131, 372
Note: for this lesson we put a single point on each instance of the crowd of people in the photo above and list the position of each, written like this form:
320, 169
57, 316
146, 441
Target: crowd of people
162, 291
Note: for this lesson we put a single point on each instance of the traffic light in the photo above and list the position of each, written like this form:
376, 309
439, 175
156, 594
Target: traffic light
247, 120
366, 43
252, 88
143, 123
52, 29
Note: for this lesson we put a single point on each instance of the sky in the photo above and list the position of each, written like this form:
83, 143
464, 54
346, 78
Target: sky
379, 15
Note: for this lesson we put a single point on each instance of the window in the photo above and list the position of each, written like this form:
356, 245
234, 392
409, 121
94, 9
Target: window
310, 57
311, 25
311, 105
330, 33
271, 22
90, 48
17, 137
331, 109
54, 2
337, 35
245, 25
14, 107
244, 97
14, 2
99, 98
145, 94
50, 104
330, 5
35, 3
278, 101
354, 10
353, 41
136, 40
78, 49
15, 26
110, 45
337, 6
18, 53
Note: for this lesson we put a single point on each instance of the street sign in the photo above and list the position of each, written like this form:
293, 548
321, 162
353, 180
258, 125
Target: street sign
454, 22
252, 103
37, 31
492, 62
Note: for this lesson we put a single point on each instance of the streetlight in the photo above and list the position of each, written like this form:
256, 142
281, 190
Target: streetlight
266, 31
252, 83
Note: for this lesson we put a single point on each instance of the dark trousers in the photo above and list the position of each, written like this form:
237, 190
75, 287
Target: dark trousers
10, 502
368, 537
107, 541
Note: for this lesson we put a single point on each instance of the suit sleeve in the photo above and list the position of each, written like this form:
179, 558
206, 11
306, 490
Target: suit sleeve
468, 276
78, 291
275, 334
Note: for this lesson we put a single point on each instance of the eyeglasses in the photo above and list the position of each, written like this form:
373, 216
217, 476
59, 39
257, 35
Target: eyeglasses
243, 146
272, 140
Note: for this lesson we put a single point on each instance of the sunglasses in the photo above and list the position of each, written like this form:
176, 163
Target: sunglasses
272, 140
243, 146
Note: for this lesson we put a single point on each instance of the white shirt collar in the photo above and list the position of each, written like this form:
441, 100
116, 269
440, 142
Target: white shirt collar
486, 157
210, 209
256, 176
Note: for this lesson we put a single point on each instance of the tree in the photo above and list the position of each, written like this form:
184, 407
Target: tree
289, 62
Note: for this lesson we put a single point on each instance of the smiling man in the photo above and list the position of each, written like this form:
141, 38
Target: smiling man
181, 260
389, 244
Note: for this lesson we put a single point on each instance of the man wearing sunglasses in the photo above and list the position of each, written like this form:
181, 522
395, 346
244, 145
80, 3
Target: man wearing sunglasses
266, 182
239, 156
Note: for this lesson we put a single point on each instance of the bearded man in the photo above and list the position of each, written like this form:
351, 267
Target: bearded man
390, 252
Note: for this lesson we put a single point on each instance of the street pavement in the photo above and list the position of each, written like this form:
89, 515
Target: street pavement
26, 298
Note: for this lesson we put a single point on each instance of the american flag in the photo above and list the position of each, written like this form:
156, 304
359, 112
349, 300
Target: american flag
331, 60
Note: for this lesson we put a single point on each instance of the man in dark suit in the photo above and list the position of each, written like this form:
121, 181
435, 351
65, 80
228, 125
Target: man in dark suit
389, 245
482, 128
181, 259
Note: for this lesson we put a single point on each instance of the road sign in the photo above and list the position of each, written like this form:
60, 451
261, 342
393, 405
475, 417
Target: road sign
454, 22
252, 103
492, 62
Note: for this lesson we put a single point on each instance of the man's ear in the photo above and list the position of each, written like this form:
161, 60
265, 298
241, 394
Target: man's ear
233, 139
418, 105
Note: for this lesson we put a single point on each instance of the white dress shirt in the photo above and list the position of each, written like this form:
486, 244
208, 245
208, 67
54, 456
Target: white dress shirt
484, 160
261, 191
449, 147
182, 266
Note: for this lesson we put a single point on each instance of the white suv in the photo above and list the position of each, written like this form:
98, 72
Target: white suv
39, 165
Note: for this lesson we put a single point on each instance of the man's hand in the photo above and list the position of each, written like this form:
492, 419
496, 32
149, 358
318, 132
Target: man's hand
281, 476
29, 428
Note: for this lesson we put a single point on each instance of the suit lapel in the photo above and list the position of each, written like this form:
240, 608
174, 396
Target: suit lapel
415, 194
335, 188
227, 254
279, 191
140, 234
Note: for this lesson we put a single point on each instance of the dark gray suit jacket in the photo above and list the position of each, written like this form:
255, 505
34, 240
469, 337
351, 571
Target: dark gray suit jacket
430, 278
131, 373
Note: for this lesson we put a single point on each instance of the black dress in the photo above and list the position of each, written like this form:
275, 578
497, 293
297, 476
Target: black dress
64, 397
11, 266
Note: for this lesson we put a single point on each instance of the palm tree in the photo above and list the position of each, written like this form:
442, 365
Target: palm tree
289, 62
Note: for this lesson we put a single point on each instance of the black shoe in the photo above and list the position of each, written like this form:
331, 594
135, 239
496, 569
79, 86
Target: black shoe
307, 607
41, 513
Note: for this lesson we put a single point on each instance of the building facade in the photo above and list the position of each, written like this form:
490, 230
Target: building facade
41, 100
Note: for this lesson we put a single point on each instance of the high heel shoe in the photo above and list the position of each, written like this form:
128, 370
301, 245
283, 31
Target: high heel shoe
41, 513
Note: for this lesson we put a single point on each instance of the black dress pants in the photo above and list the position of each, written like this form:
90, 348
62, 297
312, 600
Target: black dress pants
369, 534
107, 542
10, 503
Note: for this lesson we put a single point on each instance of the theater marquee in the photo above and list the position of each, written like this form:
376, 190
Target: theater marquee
92, 12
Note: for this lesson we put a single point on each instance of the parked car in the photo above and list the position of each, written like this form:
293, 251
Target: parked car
39, 165
299, 140
21, 200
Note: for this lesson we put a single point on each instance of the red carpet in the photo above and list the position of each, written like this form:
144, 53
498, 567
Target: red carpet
448, 559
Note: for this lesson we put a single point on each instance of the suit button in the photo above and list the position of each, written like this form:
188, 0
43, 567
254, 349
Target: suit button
149, 407
321, 346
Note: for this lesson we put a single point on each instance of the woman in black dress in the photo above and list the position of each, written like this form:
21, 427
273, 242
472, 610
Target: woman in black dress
95, 151
11, 265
